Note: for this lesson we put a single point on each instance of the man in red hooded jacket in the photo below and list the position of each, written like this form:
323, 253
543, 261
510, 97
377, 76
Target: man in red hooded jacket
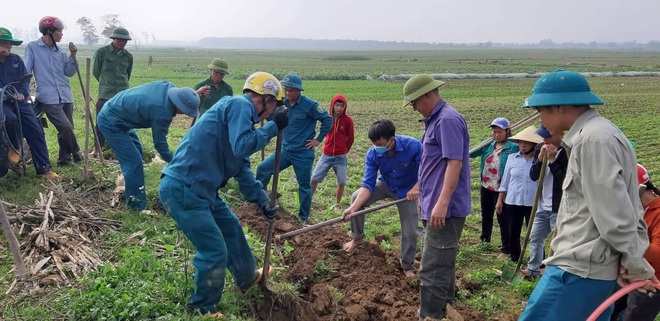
338, 143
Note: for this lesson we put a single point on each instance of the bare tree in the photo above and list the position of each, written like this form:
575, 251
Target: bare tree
111, 22
136, 41
147, 36
88, 30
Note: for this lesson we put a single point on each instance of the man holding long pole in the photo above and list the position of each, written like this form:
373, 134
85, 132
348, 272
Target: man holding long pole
390, 171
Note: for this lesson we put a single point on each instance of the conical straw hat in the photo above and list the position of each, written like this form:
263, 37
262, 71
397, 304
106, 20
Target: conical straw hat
529, 135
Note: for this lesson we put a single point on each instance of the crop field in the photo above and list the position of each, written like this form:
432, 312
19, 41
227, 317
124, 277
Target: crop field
148, 270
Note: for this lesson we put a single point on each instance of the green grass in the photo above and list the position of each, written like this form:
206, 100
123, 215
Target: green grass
149, 277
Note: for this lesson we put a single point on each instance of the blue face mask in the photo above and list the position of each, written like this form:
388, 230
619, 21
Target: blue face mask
381, 149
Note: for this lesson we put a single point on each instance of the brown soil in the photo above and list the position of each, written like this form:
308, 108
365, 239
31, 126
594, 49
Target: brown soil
370, 279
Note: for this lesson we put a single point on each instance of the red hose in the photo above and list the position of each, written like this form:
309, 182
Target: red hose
617, 295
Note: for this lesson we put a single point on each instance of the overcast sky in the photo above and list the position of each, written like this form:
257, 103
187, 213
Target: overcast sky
444, 21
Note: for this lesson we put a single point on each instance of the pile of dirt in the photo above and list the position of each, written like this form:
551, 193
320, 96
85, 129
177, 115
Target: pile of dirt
365, 284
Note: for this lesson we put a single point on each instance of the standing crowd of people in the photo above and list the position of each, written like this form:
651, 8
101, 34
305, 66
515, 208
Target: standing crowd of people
603, 217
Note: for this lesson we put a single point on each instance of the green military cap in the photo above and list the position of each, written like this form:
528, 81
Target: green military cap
417, 86
220, 65
120, 33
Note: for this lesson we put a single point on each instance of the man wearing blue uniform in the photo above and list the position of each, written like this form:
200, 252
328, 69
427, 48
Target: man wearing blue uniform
216, 149
151, 105
12, 69
299, 141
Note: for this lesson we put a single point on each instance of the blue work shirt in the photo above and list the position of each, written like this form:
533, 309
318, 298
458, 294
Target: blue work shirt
399, 171
303, 116
218, 148
11, 71
145, 106
51, 67
516, 183
445, 137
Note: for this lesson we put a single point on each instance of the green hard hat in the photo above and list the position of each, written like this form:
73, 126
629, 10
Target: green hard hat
417, 86
120, 33
5, 34
562, 88
220, 65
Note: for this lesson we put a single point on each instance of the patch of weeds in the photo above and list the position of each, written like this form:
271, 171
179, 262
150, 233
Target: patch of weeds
141, 286
385, 245
322, 268
337, 296
484, 276
488, 247
487, 302
525, 288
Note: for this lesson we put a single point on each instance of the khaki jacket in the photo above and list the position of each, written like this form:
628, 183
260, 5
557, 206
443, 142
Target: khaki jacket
600, 221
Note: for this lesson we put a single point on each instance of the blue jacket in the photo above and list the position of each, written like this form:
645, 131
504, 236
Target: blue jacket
218, 148
11, 71
399, 171
303, 116
145, 106
508, 149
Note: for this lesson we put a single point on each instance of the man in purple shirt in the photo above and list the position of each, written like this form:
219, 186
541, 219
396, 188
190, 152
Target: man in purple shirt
444, 189
397, 159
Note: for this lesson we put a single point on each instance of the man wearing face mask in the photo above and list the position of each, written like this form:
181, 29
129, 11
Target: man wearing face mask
396, 158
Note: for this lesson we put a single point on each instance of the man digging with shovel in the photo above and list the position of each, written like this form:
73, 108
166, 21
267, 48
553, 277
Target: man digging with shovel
216, 149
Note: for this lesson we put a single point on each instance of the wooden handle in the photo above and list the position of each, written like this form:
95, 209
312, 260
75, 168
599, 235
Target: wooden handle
338, 219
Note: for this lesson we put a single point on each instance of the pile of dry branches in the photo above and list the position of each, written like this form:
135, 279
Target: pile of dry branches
60, 233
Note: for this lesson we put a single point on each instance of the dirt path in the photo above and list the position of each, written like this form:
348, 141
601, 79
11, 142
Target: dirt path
365, 284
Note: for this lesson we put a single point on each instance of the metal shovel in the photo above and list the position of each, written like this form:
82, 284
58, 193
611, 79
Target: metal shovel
273, 200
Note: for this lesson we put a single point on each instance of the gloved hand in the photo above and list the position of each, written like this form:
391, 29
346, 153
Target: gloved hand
270, 212
281, 117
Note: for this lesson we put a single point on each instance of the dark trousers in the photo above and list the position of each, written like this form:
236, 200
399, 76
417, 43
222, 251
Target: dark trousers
32, 131
100, 140
61, 115
437, 274
642, 307
516, 215
488, 201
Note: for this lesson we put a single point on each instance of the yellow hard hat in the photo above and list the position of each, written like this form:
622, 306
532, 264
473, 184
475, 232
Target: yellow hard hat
264, 83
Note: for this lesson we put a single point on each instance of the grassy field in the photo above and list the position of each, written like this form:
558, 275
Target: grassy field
149, 278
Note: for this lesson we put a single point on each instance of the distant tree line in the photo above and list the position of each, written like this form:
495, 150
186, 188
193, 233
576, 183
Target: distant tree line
110, 22
291, 43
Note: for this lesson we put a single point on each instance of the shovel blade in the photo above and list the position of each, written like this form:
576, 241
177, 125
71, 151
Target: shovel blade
509, 271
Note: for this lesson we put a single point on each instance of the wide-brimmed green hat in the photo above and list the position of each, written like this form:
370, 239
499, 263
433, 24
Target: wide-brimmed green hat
220, 65
120, 33
562, 88
417, 86
5, 34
